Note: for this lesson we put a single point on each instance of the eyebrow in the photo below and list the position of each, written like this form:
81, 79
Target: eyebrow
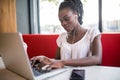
63, 17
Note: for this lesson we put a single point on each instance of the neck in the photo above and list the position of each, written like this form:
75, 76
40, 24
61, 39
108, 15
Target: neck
73, 34
75, 30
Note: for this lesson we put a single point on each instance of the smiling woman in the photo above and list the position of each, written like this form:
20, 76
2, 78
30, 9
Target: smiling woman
77, 46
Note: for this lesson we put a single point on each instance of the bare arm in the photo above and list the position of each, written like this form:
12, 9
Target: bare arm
94, 59
57, 53
90, 60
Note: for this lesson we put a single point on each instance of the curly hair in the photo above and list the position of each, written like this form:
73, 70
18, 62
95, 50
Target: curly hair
75, 5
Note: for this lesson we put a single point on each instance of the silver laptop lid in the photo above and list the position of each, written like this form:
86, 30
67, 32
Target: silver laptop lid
14, 55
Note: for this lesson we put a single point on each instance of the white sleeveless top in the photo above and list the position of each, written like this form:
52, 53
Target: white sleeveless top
80, 49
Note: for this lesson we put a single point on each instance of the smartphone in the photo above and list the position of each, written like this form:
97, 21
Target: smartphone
77, 74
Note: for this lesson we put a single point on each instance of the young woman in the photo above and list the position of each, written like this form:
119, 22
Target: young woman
77, 46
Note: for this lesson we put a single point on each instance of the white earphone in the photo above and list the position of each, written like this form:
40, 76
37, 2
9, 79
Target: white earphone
76, 16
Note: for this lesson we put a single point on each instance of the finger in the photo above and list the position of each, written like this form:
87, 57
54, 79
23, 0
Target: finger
33, 60
54, 66
48, 59
41, 58
38, 68
38, 58
45, 67
48, 68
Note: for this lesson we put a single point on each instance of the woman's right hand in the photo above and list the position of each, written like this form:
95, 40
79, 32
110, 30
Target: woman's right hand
40, 59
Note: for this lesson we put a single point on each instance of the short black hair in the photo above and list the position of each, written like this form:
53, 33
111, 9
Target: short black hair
75, 5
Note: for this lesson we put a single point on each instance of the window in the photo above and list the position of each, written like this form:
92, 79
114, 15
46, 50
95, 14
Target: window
90, 17
49, 22
111, 15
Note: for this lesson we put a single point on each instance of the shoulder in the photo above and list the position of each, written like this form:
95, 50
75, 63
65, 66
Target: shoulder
92, 33
61, 38
63, 35
93, 30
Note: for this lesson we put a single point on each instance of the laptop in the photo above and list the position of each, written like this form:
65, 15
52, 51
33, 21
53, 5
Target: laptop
15, 58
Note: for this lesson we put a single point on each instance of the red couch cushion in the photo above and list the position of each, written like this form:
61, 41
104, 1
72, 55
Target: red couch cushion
111, 49
41, 45
46, 45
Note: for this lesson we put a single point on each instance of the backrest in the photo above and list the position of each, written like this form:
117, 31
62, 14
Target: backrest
46, 45
111, 49
41, 44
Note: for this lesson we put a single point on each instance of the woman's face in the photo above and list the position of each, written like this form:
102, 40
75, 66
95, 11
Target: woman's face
68, 19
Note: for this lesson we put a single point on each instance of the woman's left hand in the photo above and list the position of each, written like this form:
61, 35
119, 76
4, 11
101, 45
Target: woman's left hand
57, 64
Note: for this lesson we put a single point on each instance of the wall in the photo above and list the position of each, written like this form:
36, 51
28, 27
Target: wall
8, 16
22, 9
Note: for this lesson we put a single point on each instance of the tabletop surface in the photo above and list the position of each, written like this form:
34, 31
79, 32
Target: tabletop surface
91, 73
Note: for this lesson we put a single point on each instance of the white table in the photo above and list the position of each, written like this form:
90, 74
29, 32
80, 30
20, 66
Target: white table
91, 73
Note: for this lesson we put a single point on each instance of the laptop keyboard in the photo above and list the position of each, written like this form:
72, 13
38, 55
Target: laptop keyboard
37, 72
41, 72
51, 73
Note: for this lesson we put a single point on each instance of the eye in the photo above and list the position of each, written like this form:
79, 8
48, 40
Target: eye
66, 18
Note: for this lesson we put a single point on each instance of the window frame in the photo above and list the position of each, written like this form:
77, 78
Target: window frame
35, 17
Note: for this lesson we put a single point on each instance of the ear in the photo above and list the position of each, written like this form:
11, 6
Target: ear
76, 16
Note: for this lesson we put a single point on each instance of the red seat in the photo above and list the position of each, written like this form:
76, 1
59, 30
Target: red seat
39, 44
111, 49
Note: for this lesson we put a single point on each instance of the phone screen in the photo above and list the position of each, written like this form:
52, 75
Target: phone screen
77, 74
